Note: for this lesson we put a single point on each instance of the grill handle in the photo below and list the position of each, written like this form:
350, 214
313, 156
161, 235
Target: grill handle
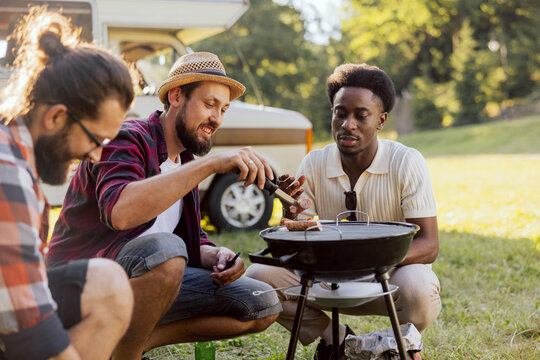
349, 212
259, 257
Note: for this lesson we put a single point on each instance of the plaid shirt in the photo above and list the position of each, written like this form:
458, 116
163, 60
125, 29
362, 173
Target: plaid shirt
84, 228
29, 325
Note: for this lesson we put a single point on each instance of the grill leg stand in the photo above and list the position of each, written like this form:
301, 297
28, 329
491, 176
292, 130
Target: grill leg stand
306, 283
335, 329
335, 333
391, 308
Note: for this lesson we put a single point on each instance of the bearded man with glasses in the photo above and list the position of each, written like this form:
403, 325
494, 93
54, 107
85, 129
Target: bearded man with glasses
63, 102
360, 172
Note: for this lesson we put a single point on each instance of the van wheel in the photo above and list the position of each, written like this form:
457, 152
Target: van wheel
232, 206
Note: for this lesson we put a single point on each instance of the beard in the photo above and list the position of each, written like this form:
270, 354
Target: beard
53, 157
189, 137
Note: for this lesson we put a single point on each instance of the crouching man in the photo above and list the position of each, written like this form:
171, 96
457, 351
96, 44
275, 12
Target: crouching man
360, 172
139, 205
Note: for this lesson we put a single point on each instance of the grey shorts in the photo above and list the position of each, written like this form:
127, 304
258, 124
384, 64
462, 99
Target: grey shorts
66, 283
196, 296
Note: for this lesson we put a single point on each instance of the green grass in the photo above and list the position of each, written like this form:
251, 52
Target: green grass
520, 136
492, 195
490, 294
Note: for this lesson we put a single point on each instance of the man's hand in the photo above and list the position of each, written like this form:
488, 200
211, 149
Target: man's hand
249, 164
293, 187
215, 258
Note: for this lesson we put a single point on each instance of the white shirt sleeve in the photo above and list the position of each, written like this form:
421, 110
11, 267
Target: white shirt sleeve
417, 199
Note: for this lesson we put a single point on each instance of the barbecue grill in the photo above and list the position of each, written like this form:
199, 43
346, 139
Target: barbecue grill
341, 252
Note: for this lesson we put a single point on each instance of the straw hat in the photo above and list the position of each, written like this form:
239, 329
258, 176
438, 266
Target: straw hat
199, 66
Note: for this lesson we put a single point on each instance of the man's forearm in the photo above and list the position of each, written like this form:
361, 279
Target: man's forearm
422, 251
425, 246
141, 201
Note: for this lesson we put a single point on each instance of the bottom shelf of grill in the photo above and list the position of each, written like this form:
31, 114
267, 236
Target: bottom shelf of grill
348, 294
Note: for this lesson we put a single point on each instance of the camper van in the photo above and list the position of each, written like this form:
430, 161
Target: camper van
152, 34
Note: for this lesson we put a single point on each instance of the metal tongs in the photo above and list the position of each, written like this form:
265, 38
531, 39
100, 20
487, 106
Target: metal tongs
260, 292
280, 194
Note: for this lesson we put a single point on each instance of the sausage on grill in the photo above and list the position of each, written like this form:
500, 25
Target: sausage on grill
301, 225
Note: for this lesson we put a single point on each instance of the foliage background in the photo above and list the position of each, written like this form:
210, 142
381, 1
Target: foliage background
435, 50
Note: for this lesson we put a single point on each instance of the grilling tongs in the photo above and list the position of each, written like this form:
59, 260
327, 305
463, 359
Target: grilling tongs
280, 194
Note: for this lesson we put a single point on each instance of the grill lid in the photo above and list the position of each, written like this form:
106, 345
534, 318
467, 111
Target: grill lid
351, 230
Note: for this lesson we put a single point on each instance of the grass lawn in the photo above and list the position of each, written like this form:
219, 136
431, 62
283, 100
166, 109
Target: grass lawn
488, 265
489, 262
490, 294
518, 136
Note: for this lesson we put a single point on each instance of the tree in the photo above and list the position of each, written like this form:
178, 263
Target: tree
445, 43
268, 44
467, 75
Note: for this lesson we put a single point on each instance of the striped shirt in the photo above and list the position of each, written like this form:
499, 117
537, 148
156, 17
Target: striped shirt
84, 228
27, 310
396, 186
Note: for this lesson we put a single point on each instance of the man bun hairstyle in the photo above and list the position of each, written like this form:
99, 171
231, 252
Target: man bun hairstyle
51, 44
53, 66
362, 76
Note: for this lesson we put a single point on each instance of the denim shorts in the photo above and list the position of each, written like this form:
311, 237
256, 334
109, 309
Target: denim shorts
196, 296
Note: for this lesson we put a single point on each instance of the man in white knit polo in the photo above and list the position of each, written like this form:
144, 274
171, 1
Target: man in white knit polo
382, 178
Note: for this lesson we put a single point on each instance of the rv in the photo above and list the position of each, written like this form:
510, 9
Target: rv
152, 34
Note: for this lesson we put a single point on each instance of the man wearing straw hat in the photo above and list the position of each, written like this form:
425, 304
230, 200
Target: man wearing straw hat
139, 205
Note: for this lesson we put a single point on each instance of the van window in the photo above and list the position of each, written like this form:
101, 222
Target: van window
12, 11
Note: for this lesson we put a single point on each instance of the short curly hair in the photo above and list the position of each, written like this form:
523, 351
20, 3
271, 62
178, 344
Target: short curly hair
363, 76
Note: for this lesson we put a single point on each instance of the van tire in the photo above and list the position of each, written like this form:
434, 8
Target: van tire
232, 206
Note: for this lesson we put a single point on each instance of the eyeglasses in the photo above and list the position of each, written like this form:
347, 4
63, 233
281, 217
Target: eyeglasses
350, 203
90, 135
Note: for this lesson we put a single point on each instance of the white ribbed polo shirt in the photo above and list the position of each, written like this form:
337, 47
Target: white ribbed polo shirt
396, 186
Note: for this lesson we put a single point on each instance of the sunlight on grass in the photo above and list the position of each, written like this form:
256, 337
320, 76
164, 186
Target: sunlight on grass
518, 136
493, 195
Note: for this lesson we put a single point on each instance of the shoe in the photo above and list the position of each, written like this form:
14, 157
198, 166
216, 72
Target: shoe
324, 351
414, 355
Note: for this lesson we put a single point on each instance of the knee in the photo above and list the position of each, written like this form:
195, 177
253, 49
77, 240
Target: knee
264, 273
418, 298
262, 324
108, 289
420, 309
169, 274
256, 271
